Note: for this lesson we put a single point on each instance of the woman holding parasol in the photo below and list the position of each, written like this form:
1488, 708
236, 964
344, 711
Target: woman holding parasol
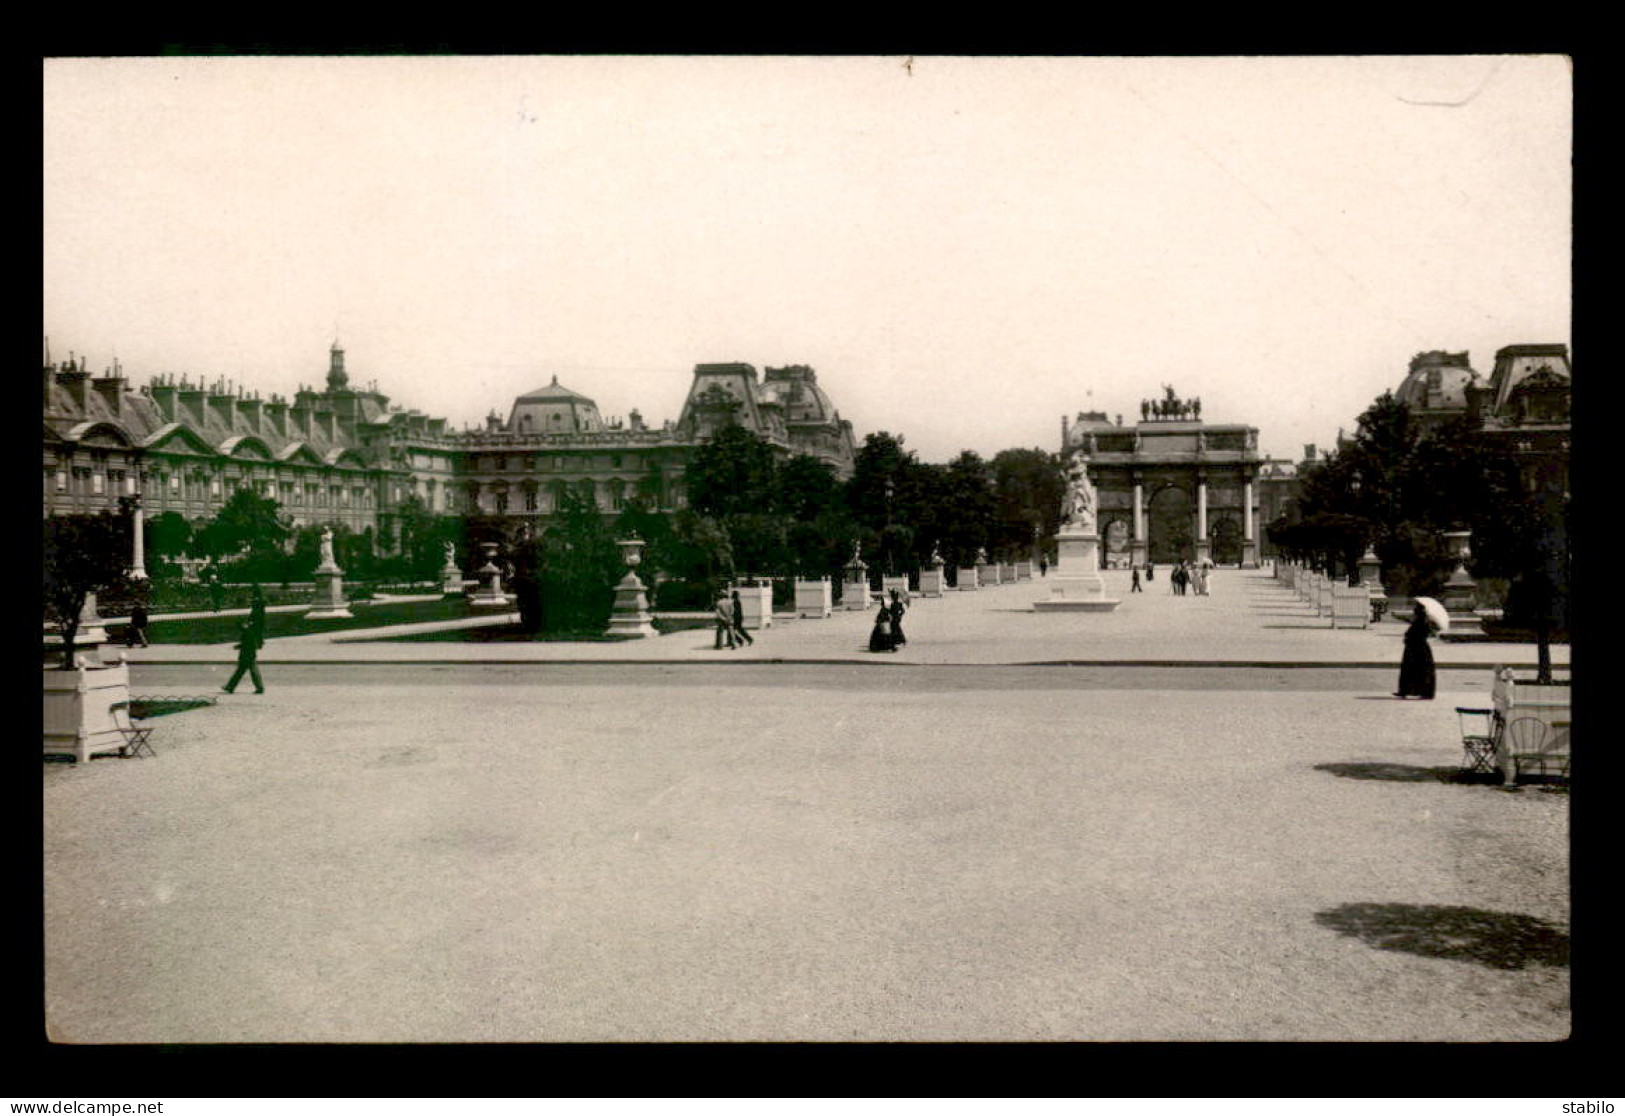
1416, 674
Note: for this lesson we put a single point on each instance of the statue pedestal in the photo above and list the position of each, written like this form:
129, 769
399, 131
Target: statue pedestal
629, 616
1075, 581
330, 603
931, 581
451, 582
855, 590
489, 594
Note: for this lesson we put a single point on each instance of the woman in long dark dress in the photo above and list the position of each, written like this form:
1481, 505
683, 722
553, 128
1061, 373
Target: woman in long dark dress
1416, 674
880, 634
896, 608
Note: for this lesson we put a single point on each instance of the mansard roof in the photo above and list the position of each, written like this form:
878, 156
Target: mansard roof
553, 393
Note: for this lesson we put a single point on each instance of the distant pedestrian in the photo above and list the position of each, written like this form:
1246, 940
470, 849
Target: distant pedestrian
739, 619
138, 626
256, 610
896, 610
249, 640
880, 636
1043, 567
1150, 572
725, 622
1134, 585
217, 592
1417, 677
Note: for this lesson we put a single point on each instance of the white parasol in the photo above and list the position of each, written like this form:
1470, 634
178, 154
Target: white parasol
1435, 613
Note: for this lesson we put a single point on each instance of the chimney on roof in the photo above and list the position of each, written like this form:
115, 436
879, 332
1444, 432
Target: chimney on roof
73, 377
111, 390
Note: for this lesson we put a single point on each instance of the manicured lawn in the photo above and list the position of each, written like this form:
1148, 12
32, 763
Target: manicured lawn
513, 633
224, 629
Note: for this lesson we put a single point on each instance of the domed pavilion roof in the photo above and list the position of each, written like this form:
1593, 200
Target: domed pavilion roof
554, 409
1437, 381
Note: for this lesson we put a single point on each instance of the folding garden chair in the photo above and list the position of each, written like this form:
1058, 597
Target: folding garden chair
1530, 744
1479, 728
137, 737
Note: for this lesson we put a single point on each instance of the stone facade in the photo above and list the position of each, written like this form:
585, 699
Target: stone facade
1171, 487
345, 455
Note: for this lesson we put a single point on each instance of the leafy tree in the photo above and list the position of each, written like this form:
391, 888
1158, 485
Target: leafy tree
1029, 489
248, 521
806, 488
706, 547
734, 472
880, 470
577, 566
423, 535
83, 554
168, 534
969, 491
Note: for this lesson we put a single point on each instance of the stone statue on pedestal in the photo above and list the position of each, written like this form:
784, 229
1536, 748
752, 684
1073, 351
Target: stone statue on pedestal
451, 555
1079, 512
327, 547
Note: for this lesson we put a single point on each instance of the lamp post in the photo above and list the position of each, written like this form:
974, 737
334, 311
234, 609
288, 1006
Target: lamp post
887, 533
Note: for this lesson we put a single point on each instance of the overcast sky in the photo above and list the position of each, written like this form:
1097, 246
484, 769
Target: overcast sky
964, 249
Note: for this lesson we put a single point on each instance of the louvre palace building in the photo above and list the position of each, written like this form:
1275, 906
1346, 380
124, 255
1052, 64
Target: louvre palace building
345, 455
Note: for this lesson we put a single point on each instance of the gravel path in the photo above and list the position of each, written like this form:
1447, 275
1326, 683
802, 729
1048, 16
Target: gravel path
836, 856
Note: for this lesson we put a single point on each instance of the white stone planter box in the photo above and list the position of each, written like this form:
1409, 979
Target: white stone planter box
887, 584
814, 599
1024, 571
1351, 606
758, 604
967, 580
1516, 694
932, 582
854, 595
78, 710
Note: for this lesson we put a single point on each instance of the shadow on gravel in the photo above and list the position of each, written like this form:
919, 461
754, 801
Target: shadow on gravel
1404, 773
1493, 939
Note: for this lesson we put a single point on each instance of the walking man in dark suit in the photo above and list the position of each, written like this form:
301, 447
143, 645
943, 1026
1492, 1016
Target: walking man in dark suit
248, 649
739, 619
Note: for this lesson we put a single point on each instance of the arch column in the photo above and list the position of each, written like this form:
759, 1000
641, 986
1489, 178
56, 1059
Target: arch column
1202, 544
1249, 541
1139, 543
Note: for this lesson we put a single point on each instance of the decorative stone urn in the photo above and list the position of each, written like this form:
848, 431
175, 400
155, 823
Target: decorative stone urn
1371, 581
489, 594
630, 614
1460, 595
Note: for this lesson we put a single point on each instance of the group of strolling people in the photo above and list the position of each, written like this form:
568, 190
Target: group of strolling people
1185, 577
1189, 577
730, 615
887, 634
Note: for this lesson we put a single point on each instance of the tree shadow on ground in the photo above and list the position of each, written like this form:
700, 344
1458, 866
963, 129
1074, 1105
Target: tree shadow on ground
1494, 939
1405, 773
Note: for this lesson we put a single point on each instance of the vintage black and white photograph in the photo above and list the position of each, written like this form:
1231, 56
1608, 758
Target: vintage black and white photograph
730, 549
